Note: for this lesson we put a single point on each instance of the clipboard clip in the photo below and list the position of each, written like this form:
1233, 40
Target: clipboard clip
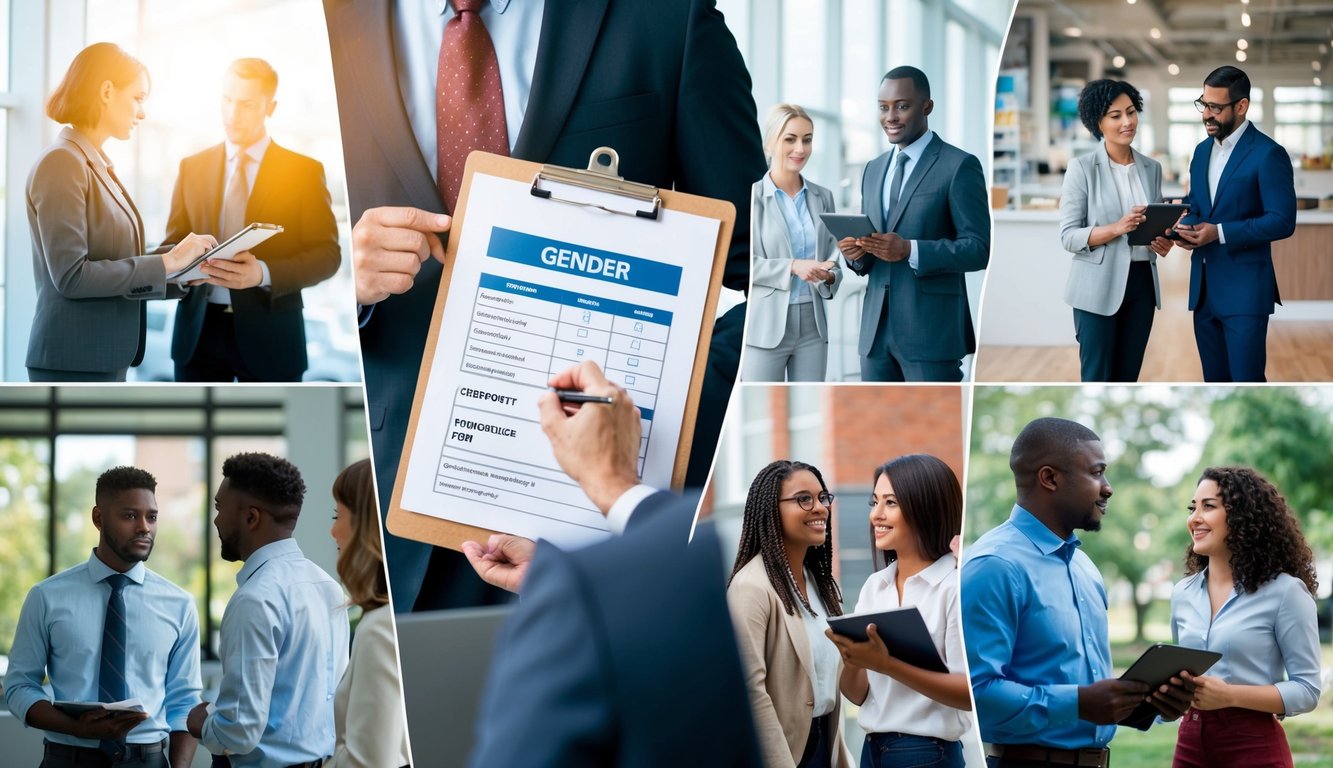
602, 175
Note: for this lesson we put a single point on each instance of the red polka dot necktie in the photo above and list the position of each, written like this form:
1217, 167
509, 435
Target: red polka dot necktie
469, 104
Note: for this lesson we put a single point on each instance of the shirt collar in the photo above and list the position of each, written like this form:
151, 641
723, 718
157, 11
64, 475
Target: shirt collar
1043, 538
255, 151
914, 149
932, 574
1229, 142
771, 189
271, 551
500, 6
99, 571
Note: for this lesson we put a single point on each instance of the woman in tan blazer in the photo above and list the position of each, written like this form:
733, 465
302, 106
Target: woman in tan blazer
780, 595
88, 253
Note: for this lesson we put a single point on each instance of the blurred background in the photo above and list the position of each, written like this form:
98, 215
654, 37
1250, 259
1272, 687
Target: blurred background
186, 47
55, 441
1165, 48
1157, 441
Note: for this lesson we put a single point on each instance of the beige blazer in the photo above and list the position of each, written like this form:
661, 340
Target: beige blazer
775, 657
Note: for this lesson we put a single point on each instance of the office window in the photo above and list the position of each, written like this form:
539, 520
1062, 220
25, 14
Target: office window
804, 53
25, 517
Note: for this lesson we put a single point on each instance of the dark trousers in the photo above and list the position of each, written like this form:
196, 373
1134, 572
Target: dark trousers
1221, 738
1111, 348
819, 746
217, 356
1231, 347
137, 756
889, 750
52, 375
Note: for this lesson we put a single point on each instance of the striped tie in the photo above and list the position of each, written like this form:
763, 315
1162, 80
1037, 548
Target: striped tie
111, 685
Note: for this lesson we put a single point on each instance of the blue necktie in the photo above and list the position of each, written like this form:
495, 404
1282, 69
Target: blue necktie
895, 186
111, 685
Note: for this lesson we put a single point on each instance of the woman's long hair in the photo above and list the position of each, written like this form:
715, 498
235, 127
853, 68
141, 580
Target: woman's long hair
361, 562
1263, 535
931, 501
761, 534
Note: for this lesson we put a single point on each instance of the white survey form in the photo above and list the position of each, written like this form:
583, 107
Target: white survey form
539, 286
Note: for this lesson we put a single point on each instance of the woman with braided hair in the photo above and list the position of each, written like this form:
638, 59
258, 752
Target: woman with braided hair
781, 593
912, 716
1248, 595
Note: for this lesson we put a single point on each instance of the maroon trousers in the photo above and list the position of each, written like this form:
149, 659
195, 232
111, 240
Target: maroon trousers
1231, 737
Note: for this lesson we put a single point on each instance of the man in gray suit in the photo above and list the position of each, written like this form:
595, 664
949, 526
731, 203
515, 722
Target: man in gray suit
928, 202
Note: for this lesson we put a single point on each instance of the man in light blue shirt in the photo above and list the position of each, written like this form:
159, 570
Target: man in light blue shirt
284, 633
1034, 613
60, 637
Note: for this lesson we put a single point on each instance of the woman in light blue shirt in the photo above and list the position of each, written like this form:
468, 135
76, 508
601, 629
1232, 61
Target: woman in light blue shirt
793, 267
1248, 595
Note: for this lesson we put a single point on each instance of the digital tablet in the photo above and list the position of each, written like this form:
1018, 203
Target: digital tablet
847, 224
1161, 217
903, 631
1158, 665
227, 249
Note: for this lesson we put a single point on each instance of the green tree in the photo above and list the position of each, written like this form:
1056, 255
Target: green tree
23, 517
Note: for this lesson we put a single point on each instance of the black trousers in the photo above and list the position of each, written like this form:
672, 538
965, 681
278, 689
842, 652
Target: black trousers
1111, 348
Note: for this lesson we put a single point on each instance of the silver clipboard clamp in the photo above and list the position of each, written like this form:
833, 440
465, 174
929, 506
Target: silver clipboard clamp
600, 176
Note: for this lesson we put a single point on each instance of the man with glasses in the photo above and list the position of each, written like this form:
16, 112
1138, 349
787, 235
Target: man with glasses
1242, 198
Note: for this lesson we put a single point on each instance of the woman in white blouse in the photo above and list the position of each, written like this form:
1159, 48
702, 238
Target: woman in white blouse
1112, 285
780, 594
912, 716
368, 707
1248, 595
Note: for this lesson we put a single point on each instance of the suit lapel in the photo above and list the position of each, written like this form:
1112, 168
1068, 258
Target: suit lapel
369, 41
1146, 178
1199, 179
923, 165
569, 32
216, 167
266, 179
795, 626
1243, 146
118, 193
1102, 188
874, 188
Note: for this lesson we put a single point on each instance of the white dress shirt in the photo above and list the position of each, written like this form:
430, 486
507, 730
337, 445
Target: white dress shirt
1129, 188
1217, 162
217, 294
913, 152
824, 654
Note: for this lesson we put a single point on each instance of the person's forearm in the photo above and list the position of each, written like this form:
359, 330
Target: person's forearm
1261, 698
46, 717
854, 684
949, 689
182, 749
1103, 235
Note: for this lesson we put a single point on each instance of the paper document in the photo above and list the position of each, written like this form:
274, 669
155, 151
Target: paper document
76, 708
537, 287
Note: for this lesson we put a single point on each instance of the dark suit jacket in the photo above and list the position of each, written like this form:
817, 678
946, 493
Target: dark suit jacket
661, 81
87, 262
621, 654
290, 191
1255, 204
947, 211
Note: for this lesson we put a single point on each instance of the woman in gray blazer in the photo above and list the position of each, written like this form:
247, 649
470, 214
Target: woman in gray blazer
793, 267
87, 236
1113, 286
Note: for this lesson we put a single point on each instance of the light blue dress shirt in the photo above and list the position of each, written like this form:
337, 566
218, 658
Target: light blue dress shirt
800, 233
1034, 619
284, 649
913, 152
418, 27
1266, 637
60, 635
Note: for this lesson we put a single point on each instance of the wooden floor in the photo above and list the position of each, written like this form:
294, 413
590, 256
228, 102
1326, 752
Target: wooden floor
1297, 351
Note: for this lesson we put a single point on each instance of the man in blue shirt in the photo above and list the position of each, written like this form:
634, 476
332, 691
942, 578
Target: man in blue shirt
61, 632
1034, 613
284, 633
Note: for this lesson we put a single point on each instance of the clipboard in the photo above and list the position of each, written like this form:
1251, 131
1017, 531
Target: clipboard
244, 240
597, 190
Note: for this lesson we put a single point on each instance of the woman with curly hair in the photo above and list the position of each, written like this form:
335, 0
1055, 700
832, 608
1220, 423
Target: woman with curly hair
1248, 595
1113, 286
780, 593
912, 716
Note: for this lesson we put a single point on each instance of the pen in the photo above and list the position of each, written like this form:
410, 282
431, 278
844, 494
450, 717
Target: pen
574, 396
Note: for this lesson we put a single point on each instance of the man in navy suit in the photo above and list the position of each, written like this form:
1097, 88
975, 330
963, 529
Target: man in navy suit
621, 653
928, 202
1242, 198
660, 81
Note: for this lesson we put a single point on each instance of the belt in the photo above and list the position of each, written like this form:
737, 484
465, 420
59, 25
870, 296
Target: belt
132, 751
1092, 757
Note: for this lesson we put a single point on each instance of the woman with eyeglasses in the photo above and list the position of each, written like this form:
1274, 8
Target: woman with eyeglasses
1113, 286
1248, 593
912, 716
781, 593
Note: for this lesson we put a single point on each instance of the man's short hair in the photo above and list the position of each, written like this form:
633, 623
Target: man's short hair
919, 80
119, 479
270, 479
257, 69
1231, 78
1046, 441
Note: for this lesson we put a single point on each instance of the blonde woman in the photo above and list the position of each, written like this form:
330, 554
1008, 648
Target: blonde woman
793, 267
368, 709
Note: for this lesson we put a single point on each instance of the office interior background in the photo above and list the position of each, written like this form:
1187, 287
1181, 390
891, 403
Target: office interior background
1164, 48
186, 47
55, 441
829, 56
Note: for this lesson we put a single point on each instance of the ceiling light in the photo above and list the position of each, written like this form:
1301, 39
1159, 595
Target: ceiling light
1245, 19
1316, 65
1240, 56
1119, 61
1242, 44
1173, 68
1317, 81
1131, 2
1155, 33
1073, 32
